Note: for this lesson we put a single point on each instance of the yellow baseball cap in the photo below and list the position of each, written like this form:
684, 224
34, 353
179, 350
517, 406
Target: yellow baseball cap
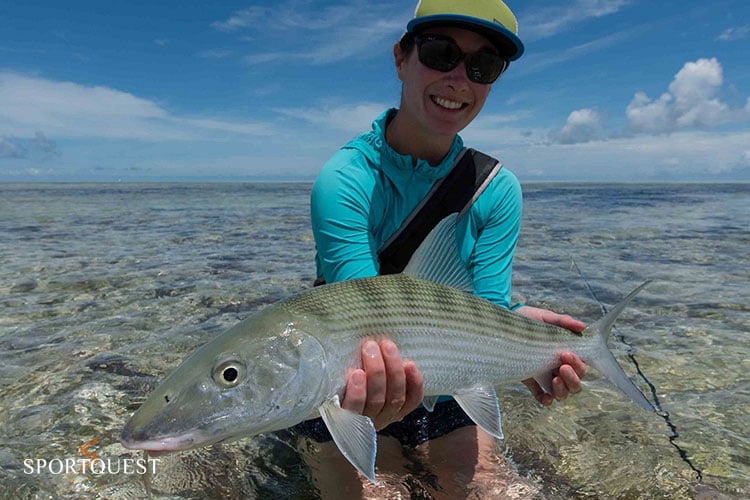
490, 18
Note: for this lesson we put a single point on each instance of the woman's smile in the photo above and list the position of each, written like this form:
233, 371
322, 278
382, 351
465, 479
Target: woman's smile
447, 103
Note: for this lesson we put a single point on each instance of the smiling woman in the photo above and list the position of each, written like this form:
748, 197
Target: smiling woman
373, 189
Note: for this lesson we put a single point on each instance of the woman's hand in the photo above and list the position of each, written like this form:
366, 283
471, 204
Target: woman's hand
386, 388
567, 378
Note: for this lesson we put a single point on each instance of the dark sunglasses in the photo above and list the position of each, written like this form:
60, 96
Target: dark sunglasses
442, 53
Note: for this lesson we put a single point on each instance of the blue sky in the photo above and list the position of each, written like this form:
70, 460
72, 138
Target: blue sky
226, 90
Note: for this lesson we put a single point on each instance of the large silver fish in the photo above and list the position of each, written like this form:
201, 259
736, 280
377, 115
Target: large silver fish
288, 362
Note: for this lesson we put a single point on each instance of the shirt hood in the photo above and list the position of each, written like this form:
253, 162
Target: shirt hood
381, 156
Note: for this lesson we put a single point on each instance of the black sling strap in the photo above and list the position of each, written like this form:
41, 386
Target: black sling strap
455, 192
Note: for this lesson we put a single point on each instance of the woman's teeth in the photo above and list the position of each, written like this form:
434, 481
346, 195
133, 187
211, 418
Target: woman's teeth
447, 104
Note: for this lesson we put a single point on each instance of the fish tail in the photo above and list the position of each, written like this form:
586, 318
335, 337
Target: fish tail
605, 361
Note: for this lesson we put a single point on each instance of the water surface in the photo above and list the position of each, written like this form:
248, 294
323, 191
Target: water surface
104, 288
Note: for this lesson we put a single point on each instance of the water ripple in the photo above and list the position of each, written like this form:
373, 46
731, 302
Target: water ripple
105, 288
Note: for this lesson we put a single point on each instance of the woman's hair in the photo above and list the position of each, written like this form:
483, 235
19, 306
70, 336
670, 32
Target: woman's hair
407, 42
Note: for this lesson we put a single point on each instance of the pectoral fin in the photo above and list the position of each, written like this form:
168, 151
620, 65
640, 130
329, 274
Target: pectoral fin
354, 434
481, 405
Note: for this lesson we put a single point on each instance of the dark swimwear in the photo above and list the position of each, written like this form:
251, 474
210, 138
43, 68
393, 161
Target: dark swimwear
416, 428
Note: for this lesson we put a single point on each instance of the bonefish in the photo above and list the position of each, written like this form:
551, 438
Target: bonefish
288, 362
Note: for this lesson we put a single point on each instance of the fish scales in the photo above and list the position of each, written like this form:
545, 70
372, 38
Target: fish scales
423, 318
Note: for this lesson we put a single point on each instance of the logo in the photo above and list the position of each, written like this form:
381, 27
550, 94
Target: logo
90, 463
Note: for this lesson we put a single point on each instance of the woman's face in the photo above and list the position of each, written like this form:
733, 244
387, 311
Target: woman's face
436, 102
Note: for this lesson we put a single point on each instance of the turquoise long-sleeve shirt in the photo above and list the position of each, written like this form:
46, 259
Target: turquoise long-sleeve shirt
366, 190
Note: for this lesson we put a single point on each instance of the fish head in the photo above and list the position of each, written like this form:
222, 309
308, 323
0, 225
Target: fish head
262, 375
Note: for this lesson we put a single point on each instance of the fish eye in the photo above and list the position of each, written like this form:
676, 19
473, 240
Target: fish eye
229, 373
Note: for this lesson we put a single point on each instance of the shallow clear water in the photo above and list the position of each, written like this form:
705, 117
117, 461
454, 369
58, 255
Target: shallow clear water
106, 288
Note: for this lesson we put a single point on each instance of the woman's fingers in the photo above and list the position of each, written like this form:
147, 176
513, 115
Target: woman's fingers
386, 388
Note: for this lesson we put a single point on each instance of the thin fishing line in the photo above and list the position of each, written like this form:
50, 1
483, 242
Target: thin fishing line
674, 434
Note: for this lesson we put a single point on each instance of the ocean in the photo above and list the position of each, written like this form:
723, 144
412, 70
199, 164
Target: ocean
104, 288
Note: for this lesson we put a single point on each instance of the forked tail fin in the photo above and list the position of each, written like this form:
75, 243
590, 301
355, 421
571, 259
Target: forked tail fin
606, 363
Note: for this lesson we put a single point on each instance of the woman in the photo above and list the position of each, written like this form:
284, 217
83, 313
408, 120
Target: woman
447, 61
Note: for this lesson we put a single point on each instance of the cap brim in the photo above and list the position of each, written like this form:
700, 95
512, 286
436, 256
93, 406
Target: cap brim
507, 42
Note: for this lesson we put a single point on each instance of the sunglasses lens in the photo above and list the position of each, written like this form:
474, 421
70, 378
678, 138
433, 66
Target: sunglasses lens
443, 54
439, 54
485, 67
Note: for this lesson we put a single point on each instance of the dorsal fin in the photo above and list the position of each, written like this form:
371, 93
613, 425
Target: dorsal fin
437, 259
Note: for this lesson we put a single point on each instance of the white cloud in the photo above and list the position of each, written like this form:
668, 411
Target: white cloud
690, 102
584, 148
734, 33
672, 136
487, 119
42, 143
583, 125
534, 63
331, 32
16, 173
65, 109
234, 127
645, 115
550, 19
488, 130
215, 53
37, 145
488, 138
372, 37
264, 57
244, 19
354, 118
8, 149
694, 88
692, 154
30, 104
